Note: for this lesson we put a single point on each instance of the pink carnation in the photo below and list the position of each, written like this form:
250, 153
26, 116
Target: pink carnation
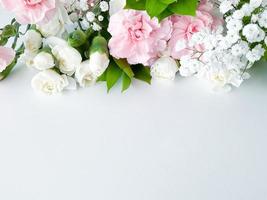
29, 11
185, 26
7, 56
137, 37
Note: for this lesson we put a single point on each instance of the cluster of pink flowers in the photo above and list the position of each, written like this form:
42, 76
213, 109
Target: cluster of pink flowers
140, 39
29, 11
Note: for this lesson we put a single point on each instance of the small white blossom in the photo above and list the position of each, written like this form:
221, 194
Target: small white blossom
255, 3
238, 14
226, 6
90, 16
234, 25
251, 32
255, 54
100, 18
263, 19
247, 9
164, 68
96, 27
104, 6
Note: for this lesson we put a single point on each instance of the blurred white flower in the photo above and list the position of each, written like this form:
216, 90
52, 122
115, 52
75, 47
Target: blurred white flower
84, 75
104, 6
49, 82
98, 63
255, 54
32, 41
68, 58
43, 61
226, 6
116, 6
56, 25
164, 68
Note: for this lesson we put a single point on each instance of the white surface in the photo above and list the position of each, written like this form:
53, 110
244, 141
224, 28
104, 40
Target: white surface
164, 142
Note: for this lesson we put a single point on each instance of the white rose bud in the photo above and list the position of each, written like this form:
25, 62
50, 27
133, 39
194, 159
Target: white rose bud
32, 41
99, 59
164, 68
43, 61
49, 82
68, 59
84, 75
98, 63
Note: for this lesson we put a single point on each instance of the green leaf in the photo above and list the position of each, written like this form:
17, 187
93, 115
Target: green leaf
142, 73
124, 65
168, 1
7, 71
9, 31
155, 7
184, 7
103, 77
136, 4
166, 13
126, 82
113, 75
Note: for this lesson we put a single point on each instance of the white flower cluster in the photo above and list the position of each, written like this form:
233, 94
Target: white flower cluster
90, 14
60, 65
229, 53
217, 64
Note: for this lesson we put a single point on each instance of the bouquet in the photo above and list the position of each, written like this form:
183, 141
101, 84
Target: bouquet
79, 43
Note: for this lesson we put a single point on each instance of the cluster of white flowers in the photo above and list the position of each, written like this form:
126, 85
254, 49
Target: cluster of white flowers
90, 14
60, 65
222, 64
229, 53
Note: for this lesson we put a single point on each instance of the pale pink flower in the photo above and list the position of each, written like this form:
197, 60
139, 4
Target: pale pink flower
29, 11
7, 56
185, 26
137, 37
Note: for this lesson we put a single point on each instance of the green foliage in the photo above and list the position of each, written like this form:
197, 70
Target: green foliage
126, 82
77, 38
7, 71
142, 73
120, 69
164, 8
113, 75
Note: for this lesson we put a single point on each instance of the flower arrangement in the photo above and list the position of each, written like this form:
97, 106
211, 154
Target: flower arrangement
82, 42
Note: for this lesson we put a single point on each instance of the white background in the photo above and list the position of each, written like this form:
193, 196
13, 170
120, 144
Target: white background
172, 141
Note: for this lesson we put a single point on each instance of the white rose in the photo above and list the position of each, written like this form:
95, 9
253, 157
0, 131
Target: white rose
84, 75
32, 41
165, 68
56, 25
43, 61
98, 63
68, 58
116, 6
49, 82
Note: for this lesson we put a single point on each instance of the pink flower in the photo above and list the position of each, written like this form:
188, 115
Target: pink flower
185, 26
7, 55
137, 37
29, 11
